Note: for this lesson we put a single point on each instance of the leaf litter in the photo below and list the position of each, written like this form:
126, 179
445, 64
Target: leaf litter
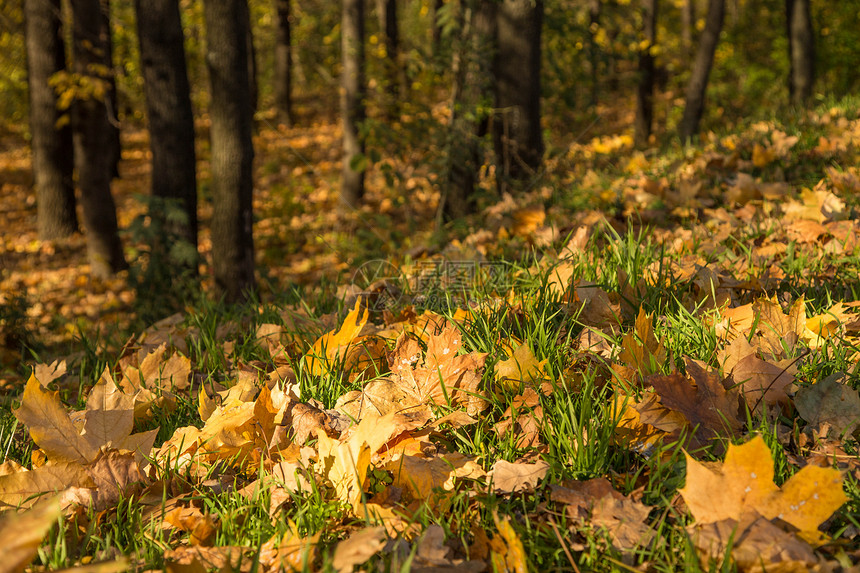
397, 447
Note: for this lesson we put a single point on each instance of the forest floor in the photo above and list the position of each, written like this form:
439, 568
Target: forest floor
644, 361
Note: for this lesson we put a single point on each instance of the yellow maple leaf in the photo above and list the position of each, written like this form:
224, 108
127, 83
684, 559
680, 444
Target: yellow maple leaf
346, 461
21, 534
744, 481
50, 425
332, 347
522, 366
762, 156
640, 349
508, 553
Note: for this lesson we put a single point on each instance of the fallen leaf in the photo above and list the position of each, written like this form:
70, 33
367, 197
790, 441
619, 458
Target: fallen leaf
21, 534
332, 347
522, 420
360, 547
521, 368
50, 426
515, 477
624, 521
109, 416
701, 398
744, 481
762, 382
756, 544
830, 402
508, 553
421, 475
46, 374
640, 349
22, 488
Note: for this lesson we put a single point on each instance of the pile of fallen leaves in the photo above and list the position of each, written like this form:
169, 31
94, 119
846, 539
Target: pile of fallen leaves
759, 426
415, 383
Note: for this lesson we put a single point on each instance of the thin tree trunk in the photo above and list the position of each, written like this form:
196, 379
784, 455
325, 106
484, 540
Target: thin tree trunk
246, 24
232, 147
698, 84
386, 11
437, 29
645, 91
517, 131
92, 136
688, 25
801, 47
593, 50
283, 63
352, 97
51, 143
471, 67
112, 101
168, 110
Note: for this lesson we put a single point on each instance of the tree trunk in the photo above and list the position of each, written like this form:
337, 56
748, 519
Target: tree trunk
251, 52
688, 25
283, 63
352, 95
53, 162
471, 68
112, 102
801, 48
645, 91
593, 50
168, 109
395, 73
232, 147
92, 136
437, 29
698, 84
516, 130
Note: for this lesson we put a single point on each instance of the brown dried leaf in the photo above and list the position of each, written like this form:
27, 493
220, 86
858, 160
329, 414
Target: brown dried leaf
831, 402
23, 487
46, 374
624, 520
360, 547
762, 382
515, 477
701, 398
115, 475
109, 417
421, 475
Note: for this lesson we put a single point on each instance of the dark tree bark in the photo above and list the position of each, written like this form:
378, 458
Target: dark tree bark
395, 72
516, 130
232, 147
472, 71
283, 63
53, 162
645, 90
112, 103
698, 84
688, 25
92, 136
801, 48
252, 54
352, 95
168, 109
